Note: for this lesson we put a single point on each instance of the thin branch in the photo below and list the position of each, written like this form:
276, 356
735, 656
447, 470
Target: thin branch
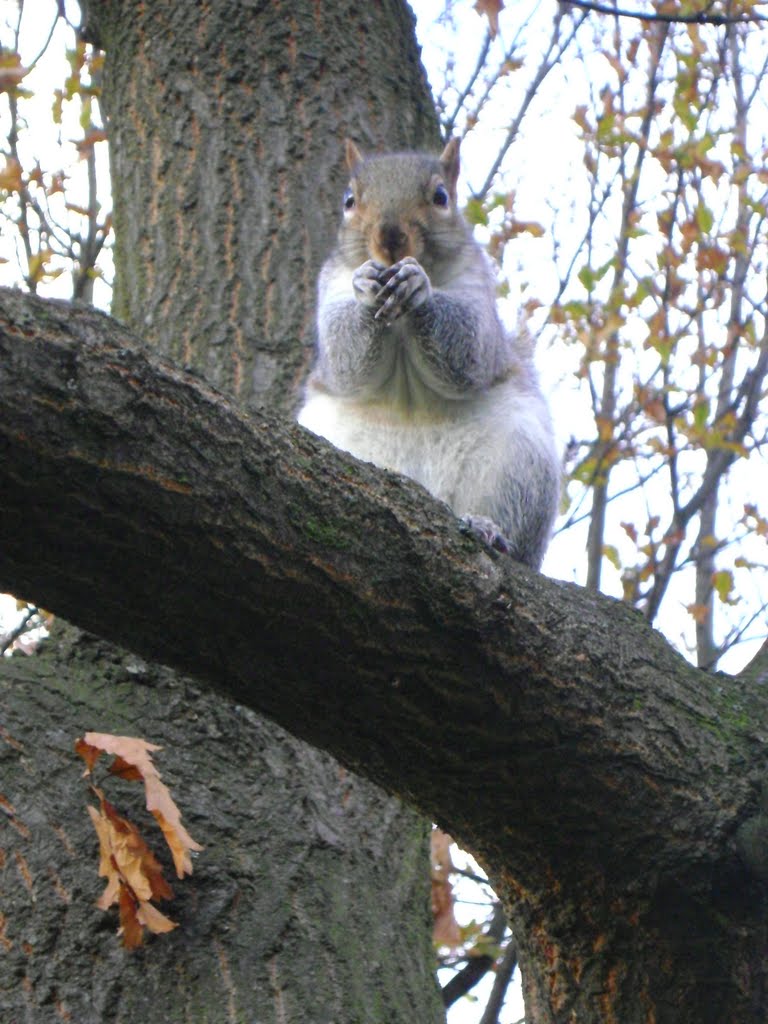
596, 207
41, 53
717, 464
736, 635
607, 407
545, 67
702, 18
576, 518
472, 876
9, 639
477, 966
450, 124
501, 982
493, 80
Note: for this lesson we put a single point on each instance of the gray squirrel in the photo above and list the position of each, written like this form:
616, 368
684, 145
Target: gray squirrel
414, 370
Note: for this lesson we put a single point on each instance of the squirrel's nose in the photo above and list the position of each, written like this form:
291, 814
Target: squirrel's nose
393, 241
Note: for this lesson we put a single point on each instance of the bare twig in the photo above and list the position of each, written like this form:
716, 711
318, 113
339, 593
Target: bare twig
607, 410
555, 51
9, 639
504, 973
450, 123
718, 462
477, 966
701, 18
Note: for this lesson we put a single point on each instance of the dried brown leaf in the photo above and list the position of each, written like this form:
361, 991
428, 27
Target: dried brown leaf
134, 761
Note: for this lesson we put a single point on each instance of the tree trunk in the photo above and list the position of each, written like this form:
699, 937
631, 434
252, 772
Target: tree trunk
282, 918
225, 133
226, 127
615, 793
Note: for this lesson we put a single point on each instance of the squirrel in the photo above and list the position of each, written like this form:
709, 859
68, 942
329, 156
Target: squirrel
414, 371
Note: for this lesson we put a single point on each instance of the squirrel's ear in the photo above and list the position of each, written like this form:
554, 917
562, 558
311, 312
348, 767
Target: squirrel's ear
449, 161
353, 155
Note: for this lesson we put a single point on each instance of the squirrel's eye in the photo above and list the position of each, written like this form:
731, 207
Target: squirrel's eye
349, 200
440, 198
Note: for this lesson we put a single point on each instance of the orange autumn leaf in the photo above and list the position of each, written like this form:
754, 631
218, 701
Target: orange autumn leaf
179, 843
134, 761
152, 919
11, 178
125, 857
138, 866
106, 867
123, 770
491, 9
131, 929
698, 612
134, 875
88, 753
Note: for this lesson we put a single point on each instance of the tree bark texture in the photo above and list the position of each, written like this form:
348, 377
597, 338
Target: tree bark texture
226, 122
278, 877
226, 125
615, 793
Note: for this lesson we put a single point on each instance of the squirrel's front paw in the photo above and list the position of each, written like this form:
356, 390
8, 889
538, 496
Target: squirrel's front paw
367, 281
406, 286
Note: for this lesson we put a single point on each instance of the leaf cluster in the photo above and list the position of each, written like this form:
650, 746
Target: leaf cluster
134, 875
53, 161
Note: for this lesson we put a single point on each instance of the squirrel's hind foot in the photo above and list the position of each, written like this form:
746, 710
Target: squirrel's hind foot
487, 531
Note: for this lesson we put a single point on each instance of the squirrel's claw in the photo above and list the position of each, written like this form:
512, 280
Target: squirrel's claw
367, 281
406, 287
487, 531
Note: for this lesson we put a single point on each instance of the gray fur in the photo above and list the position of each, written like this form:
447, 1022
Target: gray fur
414, 370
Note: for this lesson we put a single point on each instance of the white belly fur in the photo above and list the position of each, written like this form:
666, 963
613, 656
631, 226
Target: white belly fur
461, 455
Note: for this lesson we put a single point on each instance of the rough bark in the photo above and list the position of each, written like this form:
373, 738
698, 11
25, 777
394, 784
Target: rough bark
226, 124
614, 791
277, 876
226, 121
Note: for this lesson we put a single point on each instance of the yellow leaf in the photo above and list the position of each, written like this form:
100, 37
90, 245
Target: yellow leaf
11, 71
612, 554
722, 581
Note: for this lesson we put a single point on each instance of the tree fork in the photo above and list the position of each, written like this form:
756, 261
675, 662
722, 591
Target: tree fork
614, 792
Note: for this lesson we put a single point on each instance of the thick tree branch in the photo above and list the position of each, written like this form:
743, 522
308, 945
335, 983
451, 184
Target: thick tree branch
757, 669
141, 504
